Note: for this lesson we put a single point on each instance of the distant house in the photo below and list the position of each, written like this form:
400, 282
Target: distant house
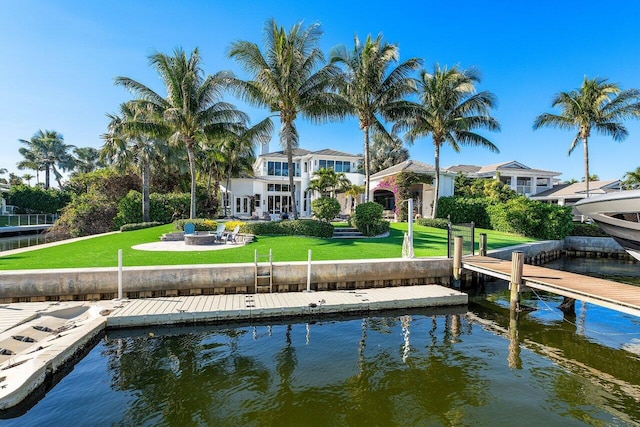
569, 194
521, 178
267, 191
421, 193
4, 188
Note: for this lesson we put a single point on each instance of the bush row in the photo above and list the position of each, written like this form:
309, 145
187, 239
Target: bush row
163, 208
37, 200
139, 226
299, 227
433, 222
200, 224
518, 215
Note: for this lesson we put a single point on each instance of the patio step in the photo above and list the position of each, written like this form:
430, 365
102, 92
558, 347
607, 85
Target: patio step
346, 233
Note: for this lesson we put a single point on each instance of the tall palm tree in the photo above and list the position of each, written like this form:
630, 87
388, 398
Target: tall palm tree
372, 89
451, 110
47, 151
87, 159
632, 179
386, 152
597, 105
192, 112
286, 79
126, 143
237, 149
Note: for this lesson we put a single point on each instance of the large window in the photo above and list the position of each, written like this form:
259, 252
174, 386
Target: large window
281, 169
336, 165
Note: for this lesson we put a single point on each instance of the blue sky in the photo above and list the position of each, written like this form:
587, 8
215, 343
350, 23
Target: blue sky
60, 59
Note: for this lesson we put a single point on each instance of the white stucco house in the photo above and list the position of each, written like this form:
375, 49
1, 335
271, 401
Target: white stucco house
268, 188
421, 193
521, 178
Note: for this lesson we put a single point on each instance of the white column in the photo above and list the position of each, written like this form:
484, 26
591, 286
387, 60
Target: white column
534, 185
514, 183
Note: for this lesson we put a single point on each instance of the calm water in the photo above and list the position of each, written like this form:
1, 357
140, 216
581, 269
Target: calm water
16, 242
396, 368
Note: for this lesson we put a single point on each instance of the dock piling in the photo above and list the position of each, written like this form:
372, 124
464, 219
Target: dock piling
517, 265
483, 244
457, 259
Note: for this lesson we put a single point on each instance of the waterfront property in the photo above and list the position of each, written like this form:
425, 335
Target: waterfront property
520, 177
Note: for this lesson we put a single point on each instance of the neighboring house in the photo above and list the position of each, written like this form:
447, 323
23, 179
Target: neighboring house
4, 188
422, 194
267, 192
569, 194
521, 178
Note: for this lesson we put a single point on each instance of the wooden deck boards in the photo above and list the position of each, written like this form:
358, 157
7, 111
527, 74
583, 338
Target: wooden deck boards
185, 309
613, 295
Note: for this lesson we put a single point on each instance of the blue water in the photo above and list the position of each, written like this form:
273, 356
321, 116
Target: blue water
471, 367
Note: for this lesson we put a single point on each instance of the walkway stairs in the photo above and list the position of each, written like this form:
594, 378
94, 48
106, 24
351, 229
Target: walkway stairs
346, 233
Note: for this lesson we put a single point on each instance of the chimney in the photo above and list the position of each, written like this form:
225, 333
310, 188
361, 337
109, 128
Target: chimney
264, 148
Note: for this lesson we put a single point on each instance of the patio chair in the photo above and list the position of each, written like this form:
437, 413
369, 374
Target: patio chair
189, 228
231, 237
219, 232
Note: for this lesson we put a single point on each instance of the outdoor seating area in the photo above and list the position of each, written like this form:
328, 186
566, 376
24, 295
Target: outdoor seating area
220, 236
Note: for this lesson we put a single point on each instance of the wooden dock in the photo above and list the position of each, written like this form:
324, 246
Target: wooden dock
237, 307
612, 295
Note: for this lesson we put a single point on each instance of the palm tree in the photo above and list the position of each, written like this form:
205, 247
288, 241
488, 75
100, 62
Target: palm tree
192, 113
237, 149
596, 105
386, 152
372, 90
47, 151
328, 182
28, 177
632, 179
451, 110
126, 143
87, 159
354, 191
285, 80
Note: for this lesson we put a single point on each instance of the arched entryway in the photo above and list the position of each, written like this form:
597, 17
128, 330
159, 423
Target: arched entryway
385, 198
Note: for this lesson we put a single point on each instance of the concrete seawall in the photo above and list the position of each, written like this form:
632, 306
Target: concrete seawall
184, 280
101, 283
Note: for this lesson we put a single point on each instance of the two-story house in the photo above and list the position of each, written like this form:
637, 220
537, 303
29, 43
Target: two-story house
268, 192
521, 178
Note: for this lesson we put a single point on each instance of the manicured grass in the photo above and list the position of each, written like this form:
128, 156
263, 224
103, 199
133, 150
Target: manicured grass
103, 251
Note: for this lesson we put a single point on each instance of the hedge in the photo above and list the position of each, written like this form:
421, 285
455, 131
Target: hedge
465, 209
139, 226
200, 224
433, 222
299, 227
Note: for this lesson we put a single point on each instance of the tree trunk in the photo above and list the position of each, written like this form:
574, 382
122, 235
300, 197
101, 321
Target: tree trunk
436, 186
293, 192
46, 176
146, 205
366, 163
192, 170
586, 163
228, 196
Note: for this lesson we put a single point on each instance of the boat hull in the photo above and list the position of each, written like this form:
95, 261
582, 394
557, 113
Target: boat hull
618, 215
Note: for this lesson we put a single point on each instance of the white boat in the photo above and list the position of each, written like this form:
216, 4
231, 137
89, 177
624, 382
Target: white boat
618, 214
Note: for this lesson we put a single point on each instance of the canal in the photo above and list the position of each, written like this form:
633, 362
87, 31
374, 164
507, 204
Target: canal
393, 368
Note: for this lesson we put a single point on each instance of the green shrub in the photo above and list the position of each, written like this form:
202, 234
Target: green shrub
465, 209
531, 218
199, 223
163, 208
37, 200
433, 222
368, 219
230, 225
139, 226
325, 208
299, 227
589, 230
88, 213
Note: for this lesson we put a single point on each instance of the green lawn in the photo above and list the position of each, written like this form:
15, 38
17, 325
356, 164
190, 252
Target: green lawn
103, 251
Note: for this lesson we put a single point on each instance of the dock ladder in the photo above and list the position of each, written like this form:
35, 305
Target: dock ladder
264, 271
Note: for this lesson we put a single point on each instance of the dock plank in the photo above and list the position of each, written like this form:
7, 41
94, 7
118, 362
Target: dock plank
613, 295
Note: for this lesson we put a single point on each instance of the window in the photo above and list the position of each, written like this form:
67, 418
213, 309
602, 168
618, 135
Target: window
346, 167
271, 170
256, 200
338, 167
322, 164
305, 167
278, 169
